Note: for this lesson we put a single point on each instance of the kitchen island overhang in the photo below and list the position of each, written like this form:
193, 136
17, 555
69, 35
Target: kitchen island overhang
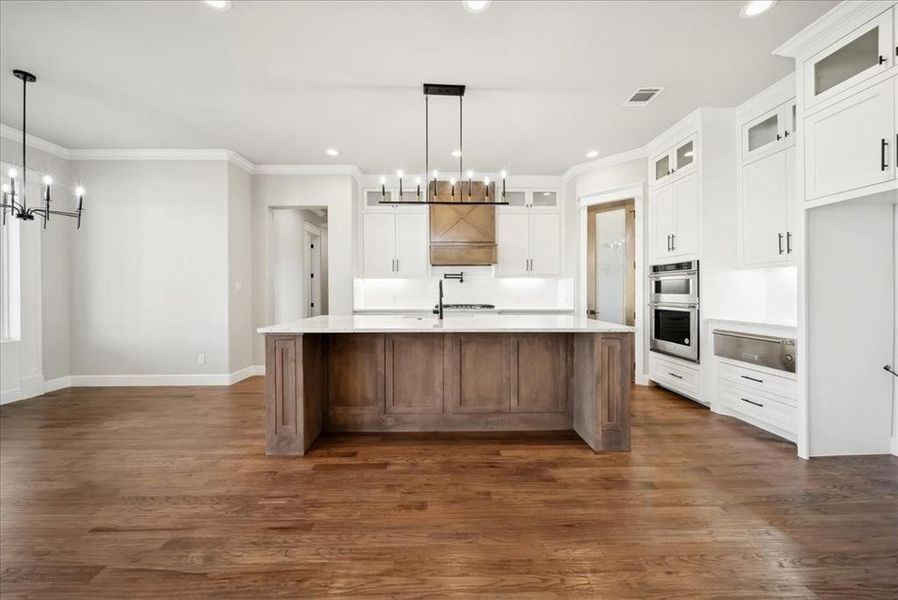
382, 373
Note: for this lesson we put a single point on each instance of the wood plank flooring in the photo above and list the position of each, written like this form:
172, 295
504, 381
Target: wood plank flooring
167, 492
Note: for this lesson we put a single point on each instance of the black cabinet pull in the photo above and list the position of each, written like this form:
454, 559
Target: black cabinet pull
779, 237
788, 242
882, 154
785, 134
673, 241
752, 402
778, 137
675, 375
882, 59
751, 378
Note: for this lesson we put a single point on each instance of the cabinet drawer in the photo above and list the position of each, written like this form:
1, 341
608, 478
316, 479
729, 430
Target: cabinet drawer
786, 389
678, 377
757, 405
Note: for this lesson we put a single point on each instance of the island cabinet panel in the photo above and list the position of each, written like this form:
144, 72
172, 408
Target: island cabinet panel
295, 392
539, 372
355, 378
414, 373
479, 368
600, 390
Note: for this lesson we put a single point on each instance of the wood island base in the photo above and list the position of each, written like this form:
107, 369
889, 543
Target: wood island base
380, 382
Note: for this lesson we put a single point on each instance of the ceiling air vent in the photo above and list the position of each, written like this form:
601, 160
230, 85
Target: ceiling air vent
643, 96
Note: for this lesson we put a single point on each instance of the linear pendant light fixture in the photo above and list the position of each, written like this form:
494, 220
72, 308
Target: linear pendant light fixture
14, 199
459, 190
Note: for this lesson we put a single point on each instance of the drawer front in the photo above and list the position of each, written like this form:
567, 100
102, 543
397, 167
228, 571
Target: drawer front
675, 376
785, 388
757, 405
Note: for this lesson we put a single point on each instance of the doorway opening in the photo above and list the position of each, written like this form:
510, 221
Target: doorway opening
299, 265
611, 262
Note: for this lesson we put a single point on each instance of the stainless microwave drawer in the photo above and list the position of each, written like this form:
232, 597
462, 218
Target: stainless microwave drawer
772, 352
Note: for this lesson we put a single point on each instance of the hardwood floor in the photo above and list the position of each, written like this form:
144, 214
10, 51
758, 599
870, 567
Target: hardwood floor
167, 492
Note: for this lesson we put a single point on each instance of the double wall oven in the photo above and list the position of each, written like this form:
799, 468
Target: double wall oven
674, 309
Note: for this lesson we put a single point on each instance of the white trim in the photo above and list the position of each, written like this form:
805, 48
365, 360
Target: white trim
603, 163
779, 93
12, 395
636, 191
60, 383
833, 25
895, 445
11, 133
307, 170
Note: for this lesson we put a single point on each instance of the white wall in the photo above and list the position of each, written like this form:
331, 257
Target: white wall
55, 242
240, 294
150, 268
337, 194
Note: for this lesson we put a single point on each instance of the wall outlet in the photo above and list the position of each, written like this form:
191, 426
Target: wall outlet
200, 359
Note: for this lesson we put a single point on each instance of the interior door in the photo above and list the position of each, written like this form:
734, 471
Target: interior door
611, 266
544, 243
663, 223
411, 244
764, 202
513, 237
851, 143
685, 239
379, 244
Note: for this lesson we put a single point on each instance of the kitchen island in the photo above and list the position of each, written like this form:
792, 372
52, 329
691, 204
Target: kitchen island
468, 372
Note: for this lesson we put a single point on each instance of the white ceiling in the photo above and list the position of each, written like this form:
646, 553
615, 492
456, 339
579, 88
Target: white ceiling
279, 82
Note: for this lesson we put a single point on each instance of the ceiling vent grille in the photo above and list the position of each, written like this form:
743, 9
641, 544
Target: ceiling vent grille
643, 96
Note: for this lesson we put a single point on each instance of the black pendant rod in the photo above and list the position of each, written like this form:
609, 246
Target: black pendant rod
24, 138
461, 148
427, 146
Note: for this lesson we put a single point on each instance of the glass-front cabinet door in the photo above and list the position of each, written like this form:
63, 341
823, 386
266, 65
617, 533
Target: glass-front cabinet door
662, 167
762, 133
544, 199
684, 155
861, 54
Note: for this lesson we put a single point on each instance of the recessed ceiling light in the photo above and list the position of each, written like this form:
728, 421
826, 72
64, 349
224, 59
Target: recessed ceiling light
476, 6
592, 154
755, 8
456, 153
332, 152
219, 4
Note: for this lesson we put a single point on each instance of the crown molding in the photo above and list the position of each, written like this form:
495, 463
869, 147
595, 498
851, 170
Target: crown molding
35, 142
768, 98
831, 26
604, 163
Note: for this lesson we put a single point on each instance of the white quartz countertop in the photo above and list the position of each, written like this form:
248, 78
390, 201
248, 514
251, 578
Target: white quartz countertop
459, 323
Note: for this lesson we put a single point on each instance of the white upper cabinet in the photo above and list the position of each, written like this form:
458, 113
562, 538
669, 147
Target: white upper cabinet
379, 244
675, 220
411, 244
394, 244
545, 245
674, 162
769, 132
851, 144
537, 199
767, 205
863, 53
513, 238
529, 243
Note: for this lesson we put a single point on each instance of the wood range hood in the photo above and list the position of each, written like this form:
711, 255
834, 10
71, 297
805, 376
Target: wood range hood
462, 233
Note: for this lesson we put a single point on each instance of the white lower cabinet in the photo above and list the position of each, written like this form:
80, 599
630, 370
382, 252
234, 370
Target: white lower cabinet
676, 375
394, 244
758, 397
851, 144
529, 242
768, 209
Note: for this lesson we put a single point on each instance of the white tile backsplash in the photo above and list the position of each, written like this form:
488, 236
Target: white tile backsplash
480, 286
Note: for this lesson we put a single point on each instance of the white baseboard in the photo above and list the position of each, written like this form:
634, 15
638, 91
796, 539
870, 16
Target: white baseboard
7, 396
60, 383
51, 385
895, 445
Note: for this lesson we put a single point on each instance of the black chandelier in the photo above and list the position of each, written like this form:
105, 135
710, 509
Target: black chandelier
14, 200
451, 191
